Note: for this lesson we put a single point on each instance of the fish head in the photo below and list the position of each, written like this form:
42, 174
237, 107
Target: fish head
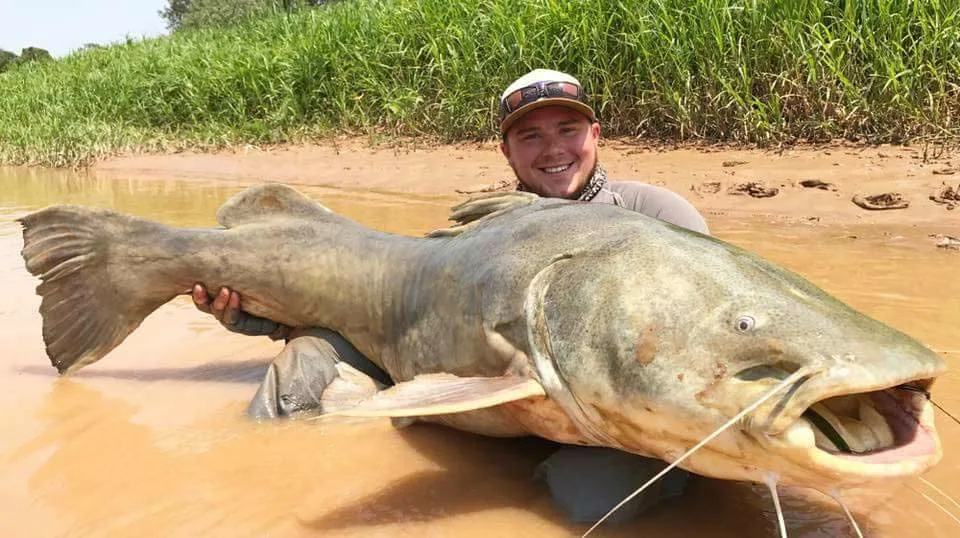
657, 346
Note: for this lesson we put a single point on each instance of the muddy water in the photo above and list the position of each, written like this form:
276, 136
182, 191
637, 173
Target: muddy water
152, 440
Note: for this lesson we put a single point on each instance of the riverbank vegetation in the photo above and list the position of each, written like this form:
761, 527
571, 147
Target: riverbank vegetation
726, 70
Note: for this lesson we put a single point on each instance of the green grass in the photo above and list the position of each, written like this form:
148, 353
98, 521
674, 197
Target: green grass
752, 71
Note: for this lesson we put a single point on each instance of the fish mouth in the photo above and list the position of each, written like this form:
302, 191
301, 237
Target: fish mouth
886, 432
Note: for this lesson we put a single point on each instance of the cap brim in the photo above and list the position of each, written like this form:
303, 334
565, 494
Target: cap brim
549, 101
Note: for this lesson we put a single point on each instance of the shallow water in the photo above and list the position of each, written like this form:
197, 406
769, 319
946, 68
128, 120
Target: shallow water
152, 440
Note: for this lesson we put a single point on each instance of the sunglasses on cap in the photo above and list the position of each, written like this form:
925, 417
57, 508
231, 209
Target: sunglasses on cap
541, 90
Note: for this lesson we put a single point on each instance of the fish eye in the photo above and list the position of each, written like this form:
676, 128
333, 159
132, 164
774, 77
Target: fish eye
745, 324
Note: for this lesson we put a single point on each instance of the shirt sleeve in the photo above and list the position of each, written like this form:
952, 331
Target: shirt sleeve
660, 203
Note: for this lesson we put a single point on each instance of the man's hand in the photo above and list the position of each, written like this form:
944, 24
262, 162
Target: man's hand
225, 306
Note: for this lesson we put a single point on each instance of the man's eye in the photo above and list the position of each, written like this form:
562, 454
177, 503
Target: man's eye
531, 136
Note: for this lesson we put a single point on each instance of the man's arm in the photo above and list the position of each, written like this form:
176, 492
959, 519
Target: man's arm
659, 203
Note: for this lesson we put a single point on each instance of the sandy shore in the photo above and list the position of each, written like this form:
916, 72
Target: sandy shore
708, 177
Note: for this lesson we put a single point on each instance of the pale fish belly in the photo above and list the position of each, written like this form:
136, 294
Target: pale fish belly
532, 416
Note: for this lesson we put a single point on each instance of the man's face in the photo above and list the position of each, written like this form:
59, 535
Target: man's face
552, 150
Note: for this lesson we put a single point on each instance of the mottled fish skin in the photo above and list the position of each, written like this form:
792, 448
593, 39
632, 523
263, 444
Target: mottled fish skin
643, 336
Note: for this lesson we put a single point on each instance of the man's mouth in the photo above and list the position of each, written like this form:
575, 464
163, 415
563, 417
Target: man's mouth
556, 169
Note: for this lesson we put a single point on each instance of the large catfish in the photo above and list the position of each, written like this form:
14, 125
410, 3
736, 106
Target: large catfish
582, 323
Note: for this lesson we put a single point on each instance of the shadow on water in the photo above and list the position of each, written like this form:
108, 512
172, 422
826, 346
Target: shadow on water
473, 474
478, 474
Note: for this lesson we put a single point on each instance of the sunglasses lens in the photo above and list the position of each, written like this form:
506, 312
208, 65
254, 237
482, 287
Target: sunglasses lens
571, 90
529, 94
514, 100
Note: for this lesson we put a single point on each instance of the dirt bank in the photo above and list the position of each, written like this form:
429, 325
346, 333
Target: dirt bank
719, 182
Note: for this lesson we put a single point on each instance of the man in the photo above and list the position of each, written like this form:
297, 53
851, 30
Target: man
550, 137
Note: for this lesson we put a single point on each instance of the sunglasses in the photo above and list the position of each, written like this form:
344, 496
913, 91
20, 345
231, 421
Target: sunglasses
541, 90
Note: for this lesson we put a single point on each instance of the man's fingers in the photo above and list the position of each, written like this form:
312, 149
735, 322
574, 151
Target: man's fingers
220, 303
232, 312
225, 305
200, 298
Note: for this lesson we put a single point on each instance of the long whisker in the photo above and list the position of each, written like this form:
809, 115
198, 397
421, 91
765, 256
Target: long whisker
926, 393
944, 411
749, 409
782, 404
771, 481
853, 522
935, 503
940, 491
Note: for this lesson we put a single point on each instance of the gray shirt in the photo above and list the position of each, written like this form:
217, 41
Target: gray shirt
654, 201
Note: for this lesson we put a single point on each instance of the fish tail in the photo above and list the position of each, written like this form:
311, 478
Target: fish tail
85, 309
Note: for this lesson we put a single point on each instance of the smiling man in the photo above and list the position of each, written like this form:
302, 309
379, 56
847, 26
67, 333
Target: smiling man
551, 138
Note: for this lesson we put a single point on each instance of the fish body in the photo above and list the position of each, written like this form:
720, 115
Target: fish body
582, 323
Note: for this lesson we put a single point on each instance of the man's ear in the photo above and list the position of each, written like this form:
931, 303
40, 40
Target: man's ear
505, 149
595, 130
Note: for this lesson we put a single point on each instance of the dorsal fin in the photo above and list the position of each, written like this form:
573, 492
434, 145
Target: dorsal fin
265, 201
476, 210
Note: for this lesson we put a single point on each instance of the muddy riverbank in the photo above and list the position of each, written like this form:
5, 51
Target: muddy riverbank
152, 440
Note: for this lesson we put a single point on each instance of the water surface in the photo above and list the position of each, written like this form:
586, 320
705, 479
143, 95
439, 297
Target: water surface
152, 440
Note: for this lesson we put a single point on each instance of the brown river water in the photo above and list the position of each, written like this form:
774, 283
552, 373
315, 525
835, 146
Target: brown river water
152, 441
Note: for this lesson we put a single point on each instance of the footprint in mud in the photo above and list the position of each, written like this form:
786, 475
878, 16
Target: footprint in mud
887, 200
707, 187
754, 189
818, 184
947, 196
946, 241
497, 186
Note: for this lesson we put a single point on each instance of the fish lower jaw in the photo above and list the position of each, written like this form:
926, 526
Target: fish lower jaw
905, 444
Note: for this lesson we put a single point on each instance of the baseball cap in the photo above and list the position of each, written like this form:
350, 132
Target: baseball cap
540, 88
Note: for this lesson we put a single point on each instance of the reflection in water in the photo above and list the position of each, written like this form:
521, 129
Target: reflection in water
152, 441
89, 438
195, 203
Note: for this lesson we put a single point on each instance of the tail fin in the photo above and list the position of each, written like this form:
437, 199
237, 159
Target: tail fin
84, 315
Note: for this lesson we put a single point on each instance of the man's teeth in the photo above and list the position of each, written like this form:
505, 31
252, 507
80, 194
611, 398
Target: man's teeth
556, 169
860, 426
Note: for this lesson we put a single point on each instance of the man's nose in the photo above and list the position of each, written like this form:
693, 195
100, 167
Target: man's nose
552, 145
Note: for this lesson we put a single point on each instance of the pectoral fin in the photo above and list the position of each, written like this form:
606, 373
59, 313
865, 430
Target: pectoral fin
443, 394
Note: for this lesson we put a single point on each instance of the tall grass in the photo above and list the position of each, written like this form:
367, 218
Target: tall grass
733, 70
